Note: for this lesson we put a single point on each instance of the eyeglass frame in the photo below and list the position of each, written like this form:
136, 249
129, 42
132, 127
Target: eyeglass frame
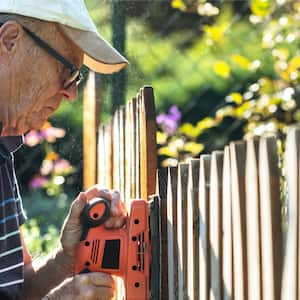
76, 75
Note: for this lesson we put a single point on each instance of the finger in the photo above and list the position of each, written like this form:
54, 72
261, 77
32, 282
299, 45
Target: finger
117, 206
98, 191
98, 293
102, 279
115, 222
77, 207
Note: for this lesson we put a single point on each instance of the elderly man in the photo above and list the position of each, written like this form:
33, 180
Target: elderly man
42, 47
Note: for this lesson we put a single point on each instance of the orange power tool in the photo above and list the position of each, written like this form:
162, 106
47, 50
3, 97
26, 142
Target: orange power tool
127, 252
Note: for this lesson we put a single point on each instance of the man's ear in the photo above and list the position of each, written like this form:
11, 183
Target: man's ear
10, 33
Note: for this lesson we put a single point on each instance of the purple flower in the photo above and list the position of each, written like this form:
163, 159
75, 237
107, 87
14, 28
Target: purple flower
171, 120
37, 182
62, 166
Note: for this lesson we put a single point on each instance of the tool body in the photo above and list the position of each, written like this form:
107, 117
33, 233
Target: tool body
124, 252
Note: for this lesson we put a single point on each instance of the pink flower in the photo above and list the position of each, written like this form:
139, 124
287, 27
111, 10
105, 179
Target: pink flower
52, 133
46, 167
62, 166
33, 138
37, 182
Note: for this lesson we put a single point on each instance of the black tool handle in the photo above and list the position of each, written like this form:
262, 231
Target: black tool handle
95, 213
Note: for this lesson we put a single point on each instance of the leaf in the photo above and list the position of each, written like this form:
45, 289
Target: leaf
227, 111
168, 151
205, 124
261, 8
241, 61
235, 98
188, 129
193, 148
241, 111
161, 137
222, 69
194, 131
179, 4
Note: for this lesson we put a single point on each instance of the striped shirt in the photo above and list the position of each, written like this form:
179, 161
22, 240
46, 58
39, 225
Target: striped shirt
11, 218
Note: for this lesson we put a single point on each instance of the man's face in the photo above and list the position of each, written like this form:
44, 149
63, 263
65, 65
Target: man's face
36, 80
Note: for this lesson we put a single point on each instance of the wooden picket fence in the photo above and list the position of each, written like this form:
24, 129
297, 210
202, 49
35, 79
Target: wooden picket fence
226, 232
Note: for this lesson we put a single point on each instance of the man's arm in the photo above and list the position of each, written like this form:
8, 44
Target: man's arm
41, 275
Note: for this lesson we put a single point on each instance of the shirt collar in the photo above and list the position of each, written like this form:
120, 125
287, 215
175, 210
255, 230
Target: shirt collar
11, 143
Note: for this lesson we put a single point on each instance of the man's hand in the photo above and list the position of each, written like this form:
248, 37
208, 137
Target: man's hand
72, 228
91, 286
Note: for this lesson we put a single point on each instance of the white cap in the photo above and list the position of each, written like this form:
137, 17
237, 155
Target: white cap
76, 23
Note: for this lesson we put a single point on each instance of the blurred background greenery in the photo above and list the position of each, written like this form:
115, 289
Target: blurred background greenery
221, 71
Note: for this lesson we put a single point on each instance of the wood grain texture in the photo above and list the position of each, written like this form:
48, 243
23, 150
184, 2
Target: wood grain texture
162, 176
271, 232
183, 172
204, 203
237, 158
215, 226
172, 232
227, 262
91, 118
192, 230
290, 288
253, 224
148, 142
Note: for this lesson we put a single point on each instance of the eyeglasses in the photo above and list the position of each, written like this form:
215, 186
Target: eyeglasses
75, 74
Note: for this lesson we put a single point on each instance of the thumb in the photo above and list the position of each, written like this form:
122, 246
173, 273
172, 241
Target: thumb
77, 207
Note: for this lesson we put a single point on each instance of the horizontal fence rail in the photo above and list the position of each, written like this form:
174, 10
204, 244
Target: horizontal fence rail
229, 220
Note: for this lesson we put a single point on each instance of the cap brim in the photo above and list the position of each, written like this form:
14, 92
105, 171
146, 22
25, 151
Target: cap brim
99, 55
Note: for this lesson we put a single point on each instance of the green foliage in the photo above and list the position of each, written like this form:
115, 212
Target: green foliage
37, 242
265, 105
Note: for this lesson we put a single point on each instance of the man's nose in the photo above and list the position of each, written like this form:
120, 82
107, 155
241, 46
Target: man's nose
70, 93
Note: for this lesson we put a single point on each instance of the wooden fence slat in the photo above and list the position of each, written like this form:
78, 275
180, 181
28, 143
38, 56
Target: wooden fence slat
192, 216
227, 271
253, 221
116, 150
128, 151
162, 179
172, 232
215, 223
148, 142
290, 288
138, 146
237, 157
134, 183
183, 171
122, 142
108, 148
204, 187
91, 115
101, 153
270, 218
